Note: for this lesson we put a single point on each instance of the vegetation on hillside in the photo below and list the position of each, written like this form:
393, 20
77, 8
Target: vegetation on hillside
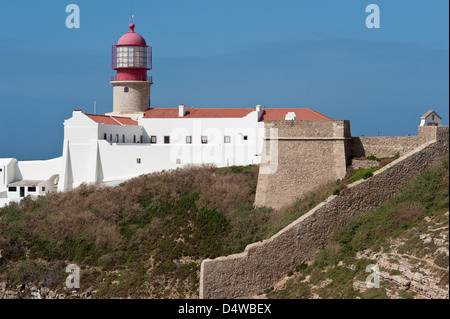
410, 215
144, 238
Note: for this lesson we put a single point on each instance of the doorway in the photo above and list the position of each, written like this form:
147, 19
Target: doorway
22, 191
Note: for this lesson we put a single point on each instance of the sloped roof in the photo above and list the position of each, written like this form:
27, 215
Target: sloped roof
268, 114
26, 182
198, 112
302, 114
111, 120
429, 113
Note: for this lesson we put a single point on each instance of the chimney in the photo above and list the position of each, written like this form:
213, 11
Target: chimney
290, 116
259, 111
181, 110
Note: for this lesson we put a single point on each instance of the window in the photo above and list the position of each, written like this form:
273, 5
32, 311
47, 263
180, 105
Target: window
131, 57
138, 160
126, 89
245, 137
117, 138
12, 189
31, 188
204, 139
134, 138
188, 139
1, 170
110, 137
105, 136
227, 139
178, 160
141, 139
153, 139
123, 138
43, 189
432, 117
166, 139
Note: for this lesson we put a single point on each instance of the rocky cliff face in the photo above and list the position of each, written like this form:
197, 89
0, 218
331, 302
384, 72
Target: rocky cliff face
31, 291
415, 265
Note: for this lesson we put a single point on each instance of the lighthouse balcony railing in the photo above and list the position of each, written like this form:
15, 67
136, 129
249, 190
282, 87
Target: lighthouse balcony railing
132, 78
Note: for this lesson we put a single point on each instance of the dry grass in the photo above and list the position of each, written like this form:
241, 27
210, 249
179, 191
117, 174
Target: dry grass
143, 228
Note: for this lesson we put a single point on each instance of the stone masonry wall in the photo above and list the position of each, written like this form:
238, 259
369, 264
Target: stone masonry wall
263, 264
387, 146
137, 99
304, 154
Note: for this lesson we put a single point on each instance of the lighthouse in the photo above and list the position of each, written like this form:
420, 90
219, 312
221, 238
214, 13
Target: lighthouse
131, 58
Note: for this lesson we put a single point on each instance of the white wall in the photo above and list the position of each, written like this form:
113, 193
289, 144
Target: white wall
89, 158
80, 128
430, 121
6, 201
37, 170
238, 152
8, 167
112, 130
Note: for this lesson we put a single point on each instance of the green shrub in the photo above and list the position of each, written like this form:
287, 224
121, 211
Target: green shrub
362, 173
426, 195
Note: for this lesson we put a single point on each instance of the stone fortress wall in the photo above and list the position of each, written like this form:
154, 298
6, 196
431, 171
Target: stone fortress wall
388, 146
312, 153
263, 264
308, 153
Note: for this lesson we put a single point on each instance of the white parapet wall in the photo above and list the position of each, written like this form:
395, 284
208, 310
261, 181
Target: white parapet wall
37, 170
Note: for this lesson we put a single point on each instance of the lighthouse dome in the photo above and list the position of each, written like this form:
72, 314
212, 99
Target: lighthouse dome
132, 38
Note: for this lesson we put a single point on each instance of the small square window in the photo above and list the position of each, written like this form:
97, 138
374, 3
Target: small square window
138, 160
166, 139
204, 140
188, 139
12, 189
178, 160
43, 189
126, 89
227, 139
153, 139
1, 170
31, 188
245, 137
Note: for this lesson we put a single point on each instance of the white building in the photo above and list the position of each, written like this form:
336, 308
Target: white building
137, 139
431, 118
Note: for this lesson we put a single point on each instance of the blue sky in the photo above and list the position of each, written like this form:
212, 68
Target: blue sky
210, 53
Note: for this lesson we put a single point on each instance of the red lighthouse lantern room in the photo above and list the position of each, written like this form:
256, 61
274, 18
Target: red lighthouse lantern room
131, 58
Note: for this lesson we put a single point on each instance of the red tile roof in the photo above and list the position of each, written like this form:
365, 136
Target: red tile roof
111, 120
198, 113
302, 114
269, 113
